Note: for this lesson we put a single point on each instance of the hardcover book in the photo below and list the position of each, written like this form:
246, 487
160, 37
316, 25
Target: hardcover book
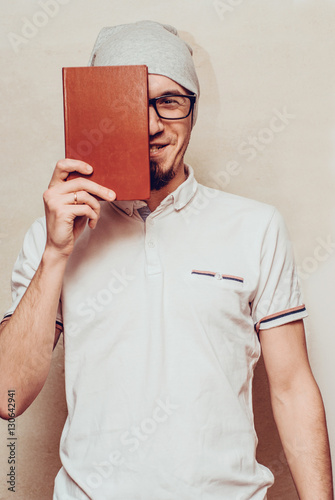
106, 125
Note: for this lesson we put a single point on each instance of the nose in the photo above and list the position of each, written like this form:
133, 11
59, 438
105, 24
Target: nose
155, 123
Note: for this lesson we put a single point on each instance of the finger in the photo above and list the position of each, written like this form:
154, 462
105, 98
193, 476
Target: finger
81, 198
58, 204
72, 211
90, 214
66, 166
82, 184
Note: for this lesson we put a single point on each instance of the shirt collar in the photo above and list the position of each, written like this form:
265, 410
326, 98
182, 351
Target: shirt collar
180, 197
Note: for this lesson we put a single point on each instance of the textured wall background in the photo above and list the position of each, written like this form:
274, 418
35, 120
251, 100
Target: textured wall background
256, 59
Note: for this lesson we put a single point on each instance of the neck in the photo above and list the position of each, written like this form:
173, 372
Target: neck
156, 197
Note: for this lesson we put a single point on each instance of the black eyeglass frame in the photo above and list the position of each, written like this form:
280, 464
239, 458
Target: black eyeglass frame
191, 97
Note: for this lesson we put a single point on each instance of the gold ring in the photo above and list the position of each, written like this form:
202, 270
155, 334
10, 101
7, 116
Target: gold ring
75, 199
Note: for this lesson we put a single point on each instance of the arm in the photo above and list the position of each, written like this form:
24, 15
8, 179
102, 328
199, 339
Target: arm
298, 410
27, 338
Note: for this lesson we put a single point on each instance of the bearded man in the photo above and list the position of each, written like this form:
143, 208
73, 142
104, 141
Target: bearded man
164, 308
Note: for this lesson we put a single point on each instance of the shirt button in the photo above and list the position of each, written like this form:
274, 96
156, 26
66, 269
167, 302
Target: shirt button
128, 211
151, 244
218, 276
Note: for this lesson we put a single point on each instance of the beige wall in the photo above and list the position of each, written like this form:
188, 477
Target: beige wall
255, 58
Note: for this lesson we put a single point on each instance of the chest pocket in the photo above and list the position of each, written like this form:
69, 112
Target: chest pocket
218, 297
218, 276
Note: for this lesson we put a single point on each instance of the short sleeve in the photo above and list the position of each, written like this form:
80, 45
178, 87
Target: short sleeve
278, 298
27, 263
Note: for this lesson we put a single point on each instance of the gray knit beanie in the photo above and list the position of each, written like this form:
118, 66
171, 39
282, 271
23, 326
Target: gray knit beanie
156, 45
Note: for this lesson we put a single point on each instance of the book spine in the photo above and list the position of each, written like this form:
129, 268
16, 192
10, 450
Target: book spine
64, 72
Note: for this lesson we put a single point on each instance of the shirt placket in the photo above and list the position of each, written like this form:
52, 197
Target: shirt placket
151, 246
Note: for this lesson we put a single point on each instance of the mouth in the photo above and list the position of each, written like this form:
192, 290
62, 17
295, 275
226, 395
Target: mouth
156, 149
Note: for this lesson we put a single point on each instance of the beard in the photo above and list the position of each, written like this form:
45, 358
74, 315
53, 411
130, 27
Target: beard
159, 178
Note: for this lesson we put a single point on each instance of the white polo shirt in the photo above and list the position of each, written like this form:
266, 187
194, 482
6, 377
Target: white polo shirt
160, 323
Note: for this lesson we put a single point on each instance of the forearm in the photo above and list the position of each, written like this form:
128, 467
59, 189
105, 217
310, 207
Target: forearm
27, 339
300, 418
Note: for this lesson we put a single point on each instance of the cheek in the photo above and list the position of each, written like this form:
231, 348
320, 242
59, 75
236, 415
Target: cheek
186, 140
184, 134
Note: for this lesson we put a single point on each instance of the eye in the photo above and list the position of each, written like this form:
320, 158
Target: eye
170, 101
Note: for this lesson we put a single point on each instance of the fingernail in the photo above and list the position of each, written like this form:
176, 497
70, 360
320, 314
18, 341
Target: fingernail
89, 168
111, 195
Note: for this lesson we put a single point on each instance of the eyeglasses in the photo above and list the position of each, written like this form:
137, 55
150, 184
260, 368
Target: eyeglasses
173, 106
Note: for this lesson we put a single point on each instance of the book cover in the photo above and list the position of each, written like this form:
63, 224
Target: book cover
106, 125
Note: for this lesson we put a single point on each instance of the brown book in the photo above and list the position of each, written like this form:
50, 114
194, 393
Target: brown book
107, 125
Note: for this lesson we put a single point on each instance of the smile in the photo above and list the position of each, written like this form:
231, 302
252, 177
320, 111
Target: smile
156, 149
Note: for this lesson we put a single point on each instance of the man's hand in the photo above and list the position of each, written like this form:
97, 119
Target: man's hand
69, 204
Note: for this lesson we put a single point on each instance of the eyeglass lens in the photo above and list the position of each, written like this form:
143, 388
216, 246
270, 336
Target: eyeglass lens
173, 106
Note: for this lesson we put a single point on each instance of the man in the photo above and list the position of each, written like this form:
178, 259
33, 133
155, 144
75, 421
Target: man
164, 307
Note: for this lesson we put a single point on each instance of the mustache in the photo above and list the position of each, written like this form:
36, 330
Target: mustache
162, 138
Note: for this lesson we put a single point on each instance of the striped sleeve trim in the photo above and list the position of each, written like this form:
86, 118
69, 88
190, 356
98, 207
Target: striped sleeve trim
282, 314
7, 316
